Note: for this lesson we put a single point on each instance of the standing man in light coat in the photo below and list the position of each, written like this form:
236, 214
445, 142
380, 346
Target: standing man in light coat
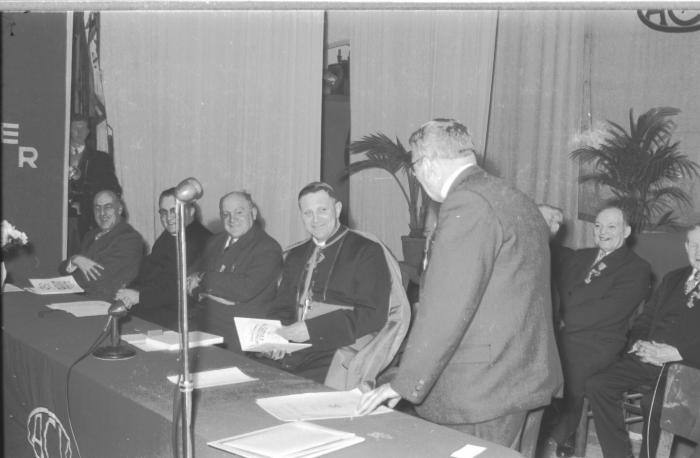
481, 354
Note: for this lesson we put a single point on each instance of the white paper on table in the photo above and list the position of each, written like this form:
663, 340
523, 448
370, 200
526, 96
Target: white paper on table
216, 377
170, 340
10, 288
56, 285
468, 451
288, 440
82, 308
316, 406
259, 335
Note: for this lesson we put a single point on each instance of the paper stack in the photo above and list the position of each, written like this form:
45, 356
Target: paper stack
170, 340
289, 440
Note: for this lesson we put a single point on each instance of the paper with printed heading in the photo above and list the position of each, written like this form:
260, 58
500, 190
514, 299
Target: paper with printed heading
316, 406
82, 308
259, 335
216, 377
56, 285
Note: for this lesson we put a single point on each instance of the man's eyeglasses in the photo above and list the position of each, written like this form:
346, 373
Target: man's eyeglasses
163, 212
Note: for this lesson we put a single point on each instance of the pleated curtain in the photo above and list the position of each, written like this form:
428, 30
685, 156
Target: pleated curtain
232, 98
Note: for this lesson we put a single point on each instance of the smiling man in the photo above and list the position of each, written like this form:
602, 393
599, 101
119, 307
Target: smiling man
335, 287
155, 287
238, 270
667, 331
110, 254
599, 289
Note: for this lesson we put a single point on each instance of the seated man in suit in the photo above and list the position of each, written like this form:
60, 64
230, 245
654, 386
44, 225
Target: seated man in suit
665, 332
335, 287
109, 255
90, 171
599, 289
238, 271
155, 287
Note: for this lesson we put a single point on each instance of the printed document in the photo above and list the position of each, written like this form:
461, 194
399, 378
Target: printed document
170, 340
259, 335
315, 406
57, 285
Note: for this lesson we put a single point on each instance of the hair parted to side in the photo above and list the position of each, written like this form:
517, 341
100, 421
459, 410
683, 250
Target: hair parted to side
625, 216
317, 186
244, 194
442, 138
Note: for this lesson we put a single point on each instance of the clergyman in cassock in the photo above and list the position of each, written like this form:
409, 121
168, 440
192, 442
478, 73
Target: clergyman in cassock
335, 290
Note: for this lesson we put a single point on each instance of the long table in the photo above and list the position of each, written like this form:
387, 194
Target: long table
124, 408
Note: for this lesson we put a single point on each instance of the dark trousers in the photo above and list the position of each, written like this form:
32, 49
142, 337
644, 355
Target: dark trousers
518, 431
581, 357
604, 391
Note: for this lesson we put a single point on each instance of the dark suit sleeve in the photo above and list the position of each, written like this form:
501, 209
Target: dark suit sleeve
690, 350
284, 305
343, 327
628, 290
122, 259
249, 281
642, 324
463, 255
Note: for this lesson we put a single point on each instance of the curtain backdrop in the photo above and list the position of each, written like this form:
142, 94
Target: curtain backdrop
231, 98
409, 67
636, 67
536, 109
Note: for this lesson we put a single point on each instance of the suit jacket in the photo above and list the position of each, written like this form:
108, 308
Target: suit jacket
668, 319
599, 311
482, 344
245, 273
119, 251
157, 278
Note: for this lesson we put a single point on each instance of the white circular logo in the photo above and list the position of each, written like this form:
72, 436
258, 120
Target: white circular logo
47, 436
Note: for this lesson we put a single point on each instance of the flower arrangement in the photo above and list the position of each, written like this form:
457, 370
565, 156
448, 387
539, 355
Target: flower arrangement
12, 237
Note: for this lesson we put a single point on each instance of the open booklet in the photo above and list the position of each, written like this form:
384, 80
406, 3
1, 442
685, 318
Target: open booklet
259, 335
289, 440
56, 285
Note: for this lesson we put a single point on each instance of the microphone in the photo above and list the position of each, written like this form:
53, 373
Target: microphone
118, 309
188, 190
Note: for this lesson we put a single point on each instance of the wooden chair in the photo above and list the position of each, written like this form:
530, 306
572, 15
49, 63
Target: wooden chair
630, 406
680, 415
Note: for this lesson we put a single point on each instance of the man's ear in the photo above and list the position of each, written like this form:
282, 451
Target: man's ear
628, 230
254, 211
338, 208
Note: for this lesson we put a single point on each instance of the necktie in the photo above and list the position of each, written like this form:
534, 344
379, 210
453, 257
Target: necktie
692, 282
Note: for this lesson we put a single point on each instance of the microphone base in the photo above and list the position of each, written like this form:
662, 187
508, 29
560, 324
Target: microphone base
114, 353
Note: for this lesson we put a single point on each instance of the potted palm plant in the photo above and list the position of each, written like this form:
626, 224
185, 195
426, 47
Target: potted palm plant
641, 168
379, 151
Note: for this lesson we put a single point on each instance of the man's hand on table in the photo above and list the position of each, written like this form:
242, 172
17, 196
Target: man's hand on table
373, 399
87, 266
129, 297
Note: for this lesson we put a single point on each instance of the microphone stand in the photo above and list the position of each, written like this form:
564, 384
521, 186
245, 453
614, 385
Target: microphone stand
186, 385
115, 351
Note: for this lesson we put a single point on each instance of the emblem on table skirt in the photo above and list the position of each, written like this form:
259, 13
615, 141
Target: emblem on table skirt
47, 436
